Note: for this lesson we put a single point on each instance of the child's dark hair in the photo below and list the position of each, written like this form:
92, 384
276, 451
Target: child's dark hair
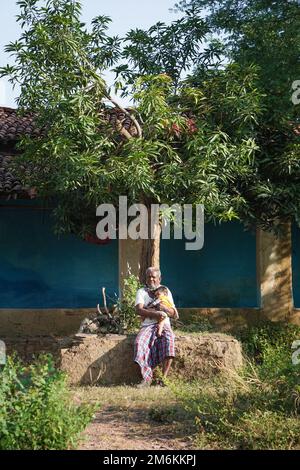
161, 290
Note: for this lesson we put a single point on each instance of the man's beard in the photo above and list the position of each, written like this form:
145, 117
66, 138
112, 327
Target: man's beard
153, 286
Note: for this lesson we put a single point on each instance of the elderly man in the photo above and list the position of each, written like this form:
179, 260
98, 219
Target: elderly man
151, 349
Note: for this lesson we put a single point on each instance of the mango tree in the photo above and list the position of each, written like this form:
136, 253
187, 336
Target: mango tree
182, 150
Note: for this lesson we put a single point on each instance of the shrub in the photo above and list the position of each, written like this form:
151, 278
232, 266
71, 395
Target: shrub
269, 350
268, 334
126, 305
267, 429
255, 408
36, 410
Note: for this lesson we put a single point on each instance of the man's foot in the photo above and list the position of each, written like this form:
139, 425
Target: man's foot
160, 383
144, 384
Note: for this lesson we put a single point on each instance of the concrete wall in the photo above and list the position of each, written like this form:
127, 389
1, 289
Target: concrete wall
222, 274
266, 279
275, 282
38, 270
267, 276
275, 274
129, 256
38, 322
296, 264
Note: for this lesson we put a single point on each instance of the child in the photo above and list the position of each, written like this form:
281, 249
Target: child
161, 298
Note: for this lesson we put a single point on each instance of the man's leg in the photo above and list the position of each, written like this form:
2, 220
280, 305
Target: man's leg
142, 353
166, 365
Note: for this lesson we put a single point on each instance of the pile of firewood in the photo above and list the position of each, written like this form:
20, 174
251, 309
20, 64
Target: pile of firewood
102, 322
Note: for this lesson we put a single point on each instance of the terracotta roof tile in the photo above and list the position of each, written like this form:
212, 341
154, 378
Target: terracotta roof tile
9, 185
13, 126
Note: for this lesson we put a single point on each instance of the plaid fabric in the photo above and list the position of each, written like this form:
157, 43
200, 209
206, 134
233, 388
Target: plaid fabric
150, 350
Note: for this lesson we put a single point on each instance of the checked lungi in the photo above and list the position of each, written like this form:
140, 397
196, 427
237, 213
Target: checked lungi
150, 350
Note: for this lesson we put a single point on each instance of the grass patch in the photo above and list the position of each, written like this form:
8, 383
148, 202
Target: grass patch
198, 325
256, 408
123, 396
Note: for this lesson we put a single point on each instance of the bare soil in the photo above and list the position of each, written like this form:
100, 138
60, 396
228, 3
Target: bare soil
124, 420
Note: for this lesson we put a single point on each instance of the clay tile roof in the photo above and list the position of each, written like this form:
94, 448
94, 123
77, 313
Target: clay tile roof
297, 130
13, 126
9, 185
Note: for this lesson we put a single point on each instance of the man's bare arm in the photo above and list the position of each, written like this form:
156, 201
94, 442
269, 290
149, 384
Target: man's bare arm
170, 311
147, 313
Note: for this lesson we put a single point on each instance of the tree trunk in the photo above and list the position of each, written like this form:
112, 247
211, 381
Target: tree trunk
150, 251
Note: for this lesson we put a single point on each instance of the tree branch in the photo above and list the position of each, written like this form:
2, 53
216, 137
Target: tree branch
134, 120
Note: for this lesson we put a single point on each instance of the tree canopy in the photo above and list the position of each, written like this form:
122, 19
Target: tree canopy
261, 32
209, 138
264, 34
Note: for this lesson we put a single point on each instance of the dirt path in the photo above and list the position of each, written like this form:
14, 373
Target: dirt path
124, 421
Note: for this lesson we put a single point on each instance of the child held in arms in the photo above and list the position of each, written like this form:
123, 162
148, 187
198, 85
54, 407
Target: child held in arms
161, 298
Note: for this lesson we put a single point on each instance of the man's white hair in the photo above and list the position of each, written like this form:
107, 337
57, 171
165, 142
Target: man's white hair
153, 268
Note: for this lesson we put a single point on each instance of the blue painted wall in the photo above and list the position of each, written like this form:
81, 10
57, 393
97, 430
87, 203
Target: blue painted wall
222, 274
296, 264
39, 270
